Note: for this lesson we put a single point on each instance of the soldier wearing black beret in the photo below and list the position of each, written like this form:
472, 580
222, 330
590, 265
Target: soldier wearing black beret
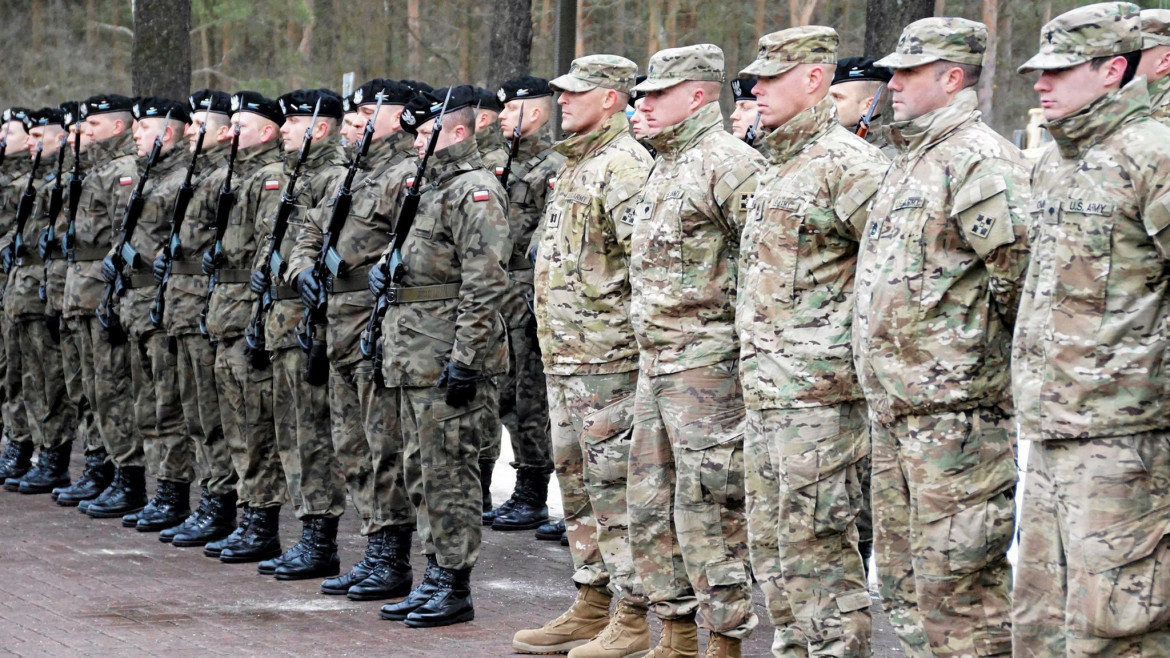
856, 81
743, 117
487, 106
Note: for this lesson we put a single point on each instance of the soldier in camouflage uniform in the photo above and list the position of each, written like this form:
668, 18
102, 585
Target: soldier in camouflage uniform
443, 341
523, 398
42, 387
688, 530
158, 413
591, 356
17, 457
1155, 63
367, 436
186, 291
744, 117
245, 387
105, 366
935, 299
1088, 359
856, 82
300, 408
493, 150
807, 435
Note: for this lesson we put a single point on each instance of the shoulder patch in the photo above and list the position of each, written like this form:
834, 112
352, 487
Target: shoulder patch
126, 180
552, 182
272, 185
481, 195
628, 216
410, 182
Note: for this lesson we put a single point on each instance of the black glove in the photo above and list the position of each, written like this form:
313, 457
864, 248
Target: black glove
533, 253
159, 268
378, 279
109, 270
309, 288
43, 245
208, 264
258, 283
7, 255
461, 384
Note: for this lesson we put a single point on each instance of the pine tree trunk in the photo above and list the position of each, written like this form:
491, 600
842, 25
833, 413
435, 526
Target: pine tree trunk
161, 57
884, 20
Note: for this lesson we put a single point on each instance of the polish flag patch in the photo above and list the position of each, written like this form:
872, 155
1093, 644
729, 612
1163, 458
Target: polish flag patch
480, 195
410, 182
272, 185
126, 180
499, 171
552, 182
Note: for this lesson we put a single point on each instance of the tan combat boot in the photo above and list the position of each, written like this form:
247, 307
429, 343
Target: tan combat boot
626, 636
587, 617
680, 639
721, 646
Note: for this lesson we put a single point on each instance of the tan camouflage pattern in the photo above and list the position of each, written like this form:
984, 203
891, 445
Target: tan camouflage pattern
671, 66
582, 289
685, 245
1078, 36
1155, 27
794, 309
940, 267
943, 487
592, 71
686, 500
938, 38
784, 50
303, 438
1160, 100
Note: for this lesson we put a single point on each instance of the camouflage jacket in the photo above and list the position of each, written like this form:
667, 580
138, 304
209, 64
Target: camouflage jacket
794, 310
13, 179
22, 289
940, 267
187, 287
582, 284
1160, 99
104, 194
685, 247
55, 287
259, 193
460, 236
363, 239
153, 230
320, 176
1094, 330
533, 172
493, 150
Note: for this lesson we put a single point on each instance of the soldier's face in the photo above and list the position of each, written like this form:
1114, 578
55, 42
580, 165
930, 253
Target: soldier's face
668, 107
1065, 91
638, 122
74, 129
510, 116
17, 138
1155, 63
582, 111
145, 132
191, 132
386, 123
292, 132
916, 91
51, 136
852, 100
451, 134
254, 129
352, 125
103, 126
35, 136
742, 117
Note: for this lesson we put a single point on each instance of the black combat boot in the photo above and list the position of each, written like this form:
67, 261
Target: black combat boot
16, 460
361, 570
268, 567
168, 534
485, 486
52, 470
215, 548
260, 542
450, 604
170, 506
529, 509
128, 495
392, 576
319, 559
98, 473
866, 550
216, 524
418, 596
551, 530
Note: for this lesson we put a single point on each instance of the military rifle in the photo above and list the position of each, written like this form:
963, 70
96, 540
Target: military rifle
273, 265
75, 178
24, 208
749, 135
863, 125
328, 259
48, 242
370, 343
513, 149
172, 248
223, 211
124, 254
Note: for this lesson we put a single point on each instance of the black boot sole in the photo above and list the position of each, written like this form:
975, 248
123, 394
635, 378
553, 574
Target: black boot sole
460, 618
523, 526
36, 491
111, 514
131, 522
398, 616
246, 559
162, 525
397, 593
323, 572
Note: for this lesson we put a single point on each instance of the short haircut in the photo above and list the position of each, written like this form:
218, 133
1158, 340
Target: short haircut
1132, 59
971, 72
464, 116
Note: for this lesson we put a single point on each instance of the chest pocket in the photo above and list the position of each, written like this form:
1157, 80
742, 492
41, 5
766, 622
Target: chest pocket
1083, 254
778, 245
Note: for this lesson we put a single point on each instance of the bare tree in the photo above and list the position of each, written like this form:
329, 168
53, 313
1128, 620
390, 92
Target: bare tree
161, 56
884, 20
987, 80
511, 43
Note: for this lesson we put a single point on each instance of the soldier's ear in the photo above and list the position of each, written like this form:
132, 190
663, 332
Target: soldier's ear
1163, 67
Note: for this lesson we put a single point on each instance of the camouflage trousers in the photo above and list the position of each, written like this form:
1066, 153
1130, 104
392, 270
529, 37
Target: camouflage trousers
803, 497
943, 487
1093, 577
86, 431
195, 364
592, 418
442, 469
245, 408
688, 524
523, 407
368, 442
12, 409
304, 440
51, 417
105, 377
158, 412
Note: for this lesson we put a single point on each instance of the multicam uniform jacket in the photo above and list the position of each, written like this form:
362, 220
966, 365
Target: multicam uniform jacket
1160, 100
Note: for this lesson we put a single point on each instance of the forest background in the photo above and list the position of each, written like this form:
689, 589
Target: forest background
69, 49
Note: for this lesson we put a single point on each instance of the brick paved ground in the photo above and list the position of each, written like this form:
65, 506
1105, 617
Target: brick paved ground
73, 586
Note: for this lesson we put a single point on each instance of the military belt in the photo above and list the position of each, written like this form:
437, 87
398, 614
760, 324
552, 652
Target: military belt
88, 254
141, 281
281, 293
187, 267
235, 276
519, 262
31, 258
396, 295
353, 281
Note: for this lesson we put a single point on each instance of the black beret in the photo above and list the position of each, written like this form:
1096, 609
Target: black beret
425, 107
43, 117
302, 103
635, 96
392, 92
523, 87
251, 101
210, 100
69, 111
154, 107
347, 104
741, 89
104, 103
17, 114
417, 86
486, 99
850, 69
